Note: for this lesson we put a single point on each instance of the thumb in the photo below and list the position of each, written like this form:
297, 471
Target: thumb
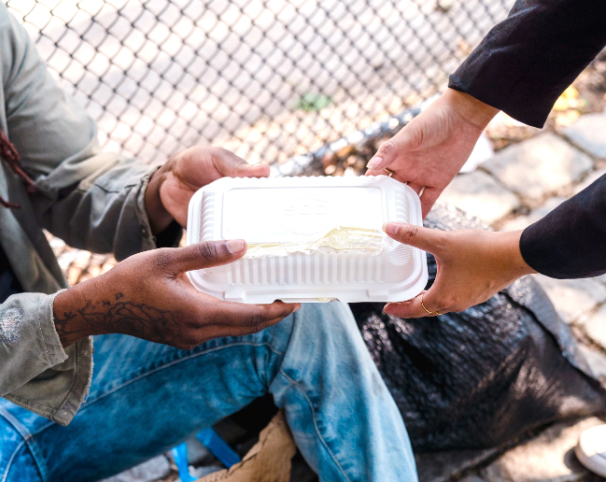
231, 165
400, 144
424, 305
429, 240
204, 255
250, 170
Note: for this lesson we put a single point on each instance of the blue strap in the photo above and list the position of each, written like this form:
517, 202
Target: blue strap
218, 447
215, 445
180, 455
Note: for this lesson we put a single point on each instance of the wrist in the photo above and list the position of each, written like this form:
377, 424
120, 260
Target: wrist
470, 109
513, 264
68, 309
159, 217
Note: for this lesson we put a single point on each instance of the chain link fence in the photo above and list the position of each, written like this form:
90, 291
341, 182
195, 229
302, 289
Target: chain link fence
268, 79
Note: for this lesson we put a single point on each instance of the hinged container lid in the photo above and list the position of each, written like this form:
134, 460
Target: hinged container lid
309, 239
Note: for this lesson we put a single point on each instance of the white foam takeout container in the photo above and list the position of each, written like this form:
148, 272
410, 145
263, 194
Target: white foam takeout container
309, 239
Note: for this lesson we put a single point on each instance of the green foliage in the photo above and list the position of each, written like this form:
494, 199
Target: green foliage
311, 102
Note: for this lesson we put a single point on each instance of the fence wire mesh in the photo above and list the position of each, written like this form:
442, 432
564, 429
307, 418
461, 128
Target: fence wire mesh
268, 79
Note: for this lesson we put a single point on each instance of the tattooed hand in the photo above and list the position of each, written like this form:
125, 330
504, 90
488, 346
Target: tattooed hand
149, 296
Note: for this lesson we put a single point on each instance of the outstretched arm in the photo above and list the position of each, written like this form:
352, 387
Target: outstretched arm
149, 296
430, 151
525, 62
521, 67
473, 265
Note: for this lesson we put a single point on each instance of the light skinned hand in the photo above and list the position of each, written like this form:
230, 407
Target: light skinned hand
172, 186
149, 296
432, 148
473, 265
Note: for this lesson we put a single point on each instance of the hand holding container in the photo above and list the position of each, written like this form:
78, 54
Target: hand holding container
309, 239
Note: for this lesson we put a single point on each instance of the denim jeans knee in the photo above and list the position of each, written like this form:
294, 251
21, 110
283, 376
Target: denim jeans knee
16, 461
339, 410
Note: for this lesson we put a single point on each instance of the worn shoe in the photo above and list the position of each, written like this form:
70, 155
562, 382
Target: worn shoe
591, 450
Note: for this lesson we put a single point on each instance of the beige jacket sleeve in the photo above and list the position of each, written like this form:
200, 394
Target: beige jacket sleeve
91, 200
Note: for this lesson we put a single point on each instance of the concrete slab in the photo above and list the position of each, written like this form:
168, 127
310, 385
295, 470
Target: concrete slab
539, 166
480, 195
547, 458
589, 133
573, 298
522, 222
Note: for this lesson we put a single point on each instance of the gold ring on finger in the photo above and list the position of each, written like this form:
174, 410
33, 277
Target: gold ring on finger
388, 171
425, 307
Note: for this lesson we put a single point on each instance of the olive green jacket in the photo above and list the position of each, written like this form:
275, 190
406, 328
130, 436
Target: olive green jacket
89, 199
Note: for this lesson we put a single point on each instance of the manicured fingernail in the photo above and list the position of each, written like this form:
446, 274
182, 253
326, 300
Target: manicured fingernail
235, 245
375, 163
391, 228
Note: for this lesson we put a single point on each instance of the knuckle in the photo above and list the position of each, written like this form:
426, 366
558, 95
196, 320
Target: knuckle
218, 153
409, 233
208, 250
214, 150
163, 260
388, 148
255, 321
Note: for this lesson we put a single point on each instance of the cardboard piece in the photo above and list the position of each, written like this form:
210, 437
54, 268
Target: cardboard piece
269, 459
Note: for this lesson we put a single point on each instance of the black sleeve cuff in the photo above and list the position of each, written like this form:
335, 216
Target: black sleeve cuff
570, 242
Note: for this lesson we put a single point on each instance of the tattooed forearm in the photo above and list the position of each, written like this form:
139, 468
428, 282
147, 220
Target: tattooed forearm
116, 315
68, 329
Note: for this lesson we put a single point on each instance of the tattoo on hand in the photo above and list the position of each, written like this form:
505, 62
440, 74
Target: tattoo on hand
137, 319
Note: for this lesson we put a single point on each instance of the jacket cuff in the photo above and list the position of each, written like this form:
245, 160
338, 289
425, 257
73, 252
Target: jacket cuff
569, 241
30, 343
145, 231
52, 343
37, 372
520, 101
170, 237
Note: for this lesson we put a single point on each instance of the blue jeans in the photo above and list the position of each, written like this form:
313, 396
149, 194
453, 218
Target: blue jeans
146, 398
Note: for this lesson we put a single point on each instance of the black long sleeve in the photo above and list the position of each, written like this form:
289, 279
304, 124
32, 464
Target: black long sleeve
521, 67
570, 242
525, 62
